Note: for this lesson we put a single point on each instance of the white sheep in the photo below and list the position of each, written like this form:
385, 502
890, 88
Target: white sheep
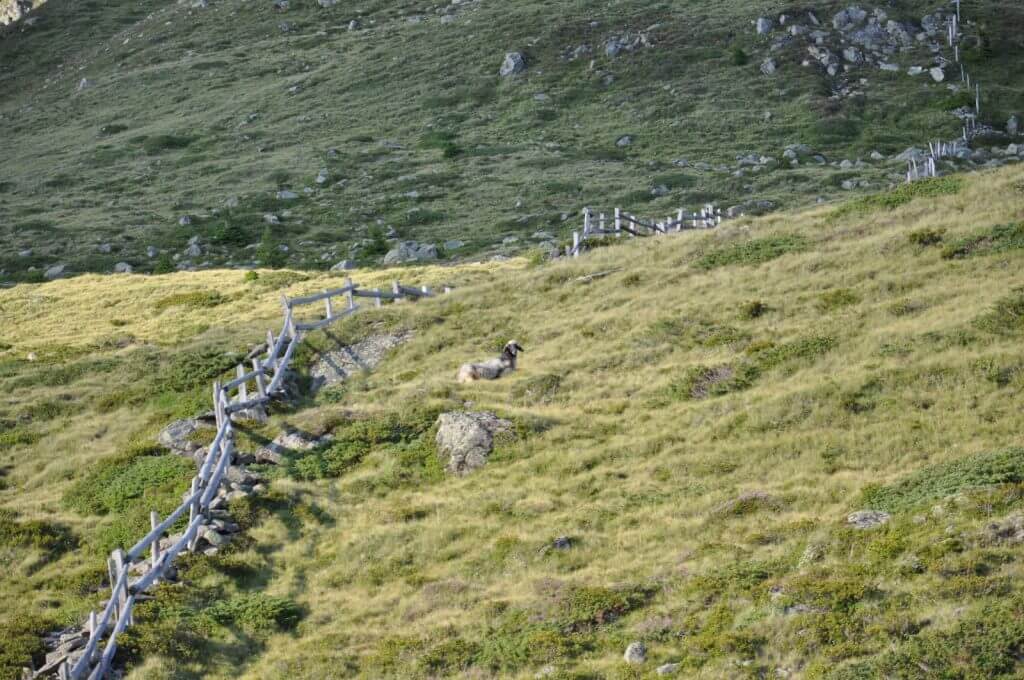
492, 369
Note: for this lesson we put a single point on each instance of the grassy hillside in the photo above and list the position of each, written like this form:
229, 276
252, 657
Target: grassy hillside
699, 424
186, 108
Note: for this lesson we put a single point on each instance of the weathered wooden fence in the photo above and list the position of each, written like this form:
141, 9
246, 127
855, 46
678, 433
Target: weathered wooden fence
938, 150
621, 223
90, 656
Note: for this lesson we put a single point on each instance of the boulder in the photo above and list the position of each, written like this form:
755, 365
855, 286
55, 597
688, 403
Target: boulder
769, 66
453, 244
343, 266
177, 436
514, 64
465, 439
848, 18
636, 653
764, 25
411, 251
123, 268
55, 272
624, 141
867, 519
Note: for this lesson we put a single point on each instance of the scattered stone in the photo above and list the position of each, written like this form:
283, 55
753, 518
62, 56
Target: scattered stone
104, 248
636, 652
151, 252
515, 63
411, 251
231, 202
85, 84
1013, 126
876, 156
184, 221
194, 250
177, 436
668, 669
271, 218
286, 195
885, 66
25, 253
343, 266
32, 356
624, 141
915, 71
1009, 530
769, 66
659, 191
763, 25
509, 240
867, 519
848, 18
353, 25
466, 439
55, 272
122, 268
338, 365
562, 543
853, 55
322, 176
327, 3
937, 74
849, 185
453, 244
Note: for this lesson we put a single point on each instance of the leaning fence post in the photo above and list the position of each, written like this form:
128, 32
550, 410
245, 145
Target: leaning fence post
575, 244
243, 390
193, 509
618, 223
154, 521
328, 308
121, 594
378, 302
351, 293
216, 404
261, 383
396, 289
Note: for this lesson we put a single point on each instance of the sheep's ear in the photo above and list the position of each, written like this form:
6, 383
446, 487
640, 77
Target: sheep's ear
519, 348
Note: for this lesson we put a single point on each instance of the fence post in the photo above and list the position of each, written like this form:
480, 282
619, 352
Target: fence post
447, 289
154, 521
261, 383
120, 593
378, 302
93, 633
328, 308
216, 404
351, 294
618, 223
243, 389
576, 244
977, 99
193, 510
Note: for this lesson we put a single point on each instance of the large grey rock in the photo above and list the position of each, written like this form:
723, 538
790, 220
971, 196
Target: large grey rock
867, 519
514, 64
55, 272
411, 251
849, 18
636, 653
911, 154
465, 439
194, 250
123, 268
763, 25
177, 436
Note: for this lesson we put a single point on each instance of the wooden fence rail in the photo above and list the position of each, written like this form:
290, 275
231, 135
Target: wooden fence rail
266, 376
707, 217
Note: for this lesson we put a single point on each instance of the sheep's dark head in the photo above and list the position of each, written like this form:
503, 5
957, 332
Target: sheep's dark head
513, 348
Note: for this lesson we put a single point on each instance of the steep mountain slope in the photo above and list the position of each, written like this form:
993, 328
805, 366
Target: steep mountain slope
699, 422
121, 118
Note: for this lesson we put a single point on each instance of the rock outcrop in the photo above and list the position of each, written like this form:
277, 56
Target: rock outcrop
466, 439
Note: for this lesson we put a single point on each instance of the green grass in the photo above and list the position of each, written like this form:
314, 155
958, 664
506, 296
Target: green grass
752, 252
903, 194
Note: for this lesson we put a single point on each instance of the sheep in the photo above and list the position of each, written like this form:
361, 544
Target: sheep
492, 369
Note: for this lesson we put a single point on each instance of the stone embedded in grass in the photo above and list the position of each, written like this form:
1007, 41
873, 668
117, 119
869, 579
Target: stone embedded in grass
769, 66
624, 141
867, 519
636, 652
178, 436
937, 74
668, 669
763, 25
562, 543
746, 504
55, 272
123, 268
514, 64
466, 439
411, 251
286, 195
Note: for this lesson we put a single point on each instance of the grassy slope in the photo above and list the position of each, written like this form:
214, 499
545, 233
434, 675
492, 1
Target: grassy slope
107, 164
886, 365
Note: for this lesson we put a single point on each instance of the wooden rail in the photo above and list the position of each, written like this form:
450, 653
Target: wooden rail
707, 217
93, 661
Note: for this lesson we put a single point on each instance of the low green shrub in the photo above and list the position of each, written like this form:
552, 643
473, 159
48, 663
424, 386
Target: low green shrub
159, 143
945, 479
193, 369
835, 299
1006, 316
21, 639
702, 382
140, 476
901, 195
926, 237
999, 239
255, 612
199, 299
753, 309
53, 539
753, 252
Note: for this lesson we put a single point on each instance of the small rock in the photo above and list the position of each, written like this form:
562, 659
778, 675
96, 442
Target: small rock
514, 64
763, 25
884, 66
353, 25
624, 141
55, 272
636, 652
660, 190
343, 266
322, 176
286, 195
122, 268
769, 66
184, 221
668, 669
937, 74
25, 253
867, 519
151, 252
194, 250
876, 156
104, 248
327, 3
453, 244
1013, 126
231, 202
32, 356
271, 218
85, 84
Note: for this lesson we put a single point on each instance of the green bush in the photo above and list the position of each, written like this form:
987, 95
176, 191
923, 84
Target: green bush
702, 382
752, 252
198, 299
739, 57
999, 239
268, 253
158, 143
517, 640
255, 612
946, 479
901, 195
138, 478
53, 539
193, 369
21, 639
230, 233
926, 237
834, 299
753, 309
1006, 316
769, 355
164, 265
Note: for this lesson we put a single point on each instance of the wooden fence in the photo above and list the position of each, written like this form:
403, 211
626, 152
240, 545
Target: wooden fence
938, 150
634, 227
231, 400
